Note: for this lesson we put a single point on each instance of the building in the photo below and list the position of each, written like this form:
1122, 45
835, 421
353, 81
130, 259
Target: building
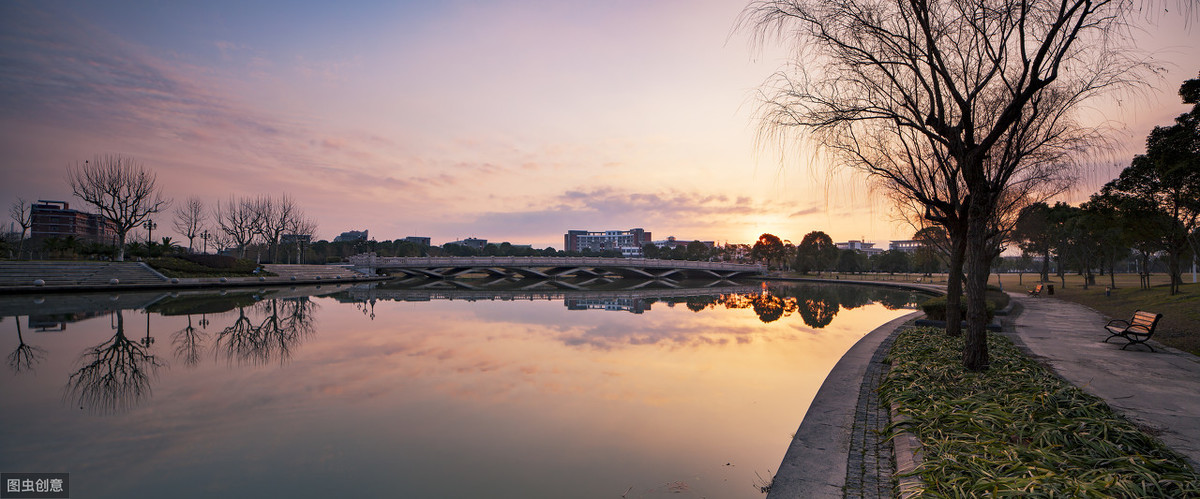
863, 247
295, 239
628, 242
470, 242
419, 241
351, 235
907, 245
57, 219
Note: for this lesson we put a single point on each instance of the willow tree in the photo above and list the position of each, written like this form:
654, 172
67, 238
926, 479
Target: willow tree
121, 188
980, 92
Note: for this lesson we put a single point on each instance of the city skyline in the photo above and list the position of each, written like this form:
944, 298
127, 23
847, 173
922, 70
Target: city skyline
503, 120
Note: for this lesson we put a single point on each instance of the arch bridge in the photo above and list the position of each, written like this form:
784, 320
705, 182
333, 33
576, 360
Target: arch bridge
553, 268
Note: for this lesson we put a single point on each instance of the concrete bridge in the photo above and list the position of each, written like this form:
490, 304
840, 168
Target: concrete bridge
553, 268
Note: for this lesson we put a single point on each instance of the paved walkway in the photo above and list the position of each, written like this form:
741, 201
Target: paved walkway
1160, 390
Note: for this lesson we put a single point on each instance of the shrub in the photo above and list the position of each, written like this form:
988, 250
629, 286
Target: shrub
204, 266
219, 261
935, 308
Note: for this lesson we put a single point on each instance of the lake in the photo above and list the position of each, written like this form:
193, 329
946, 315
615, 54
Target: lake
388, 391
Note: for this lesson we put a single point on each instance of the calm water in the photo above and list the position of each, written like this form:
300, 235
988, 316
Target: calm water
388, 392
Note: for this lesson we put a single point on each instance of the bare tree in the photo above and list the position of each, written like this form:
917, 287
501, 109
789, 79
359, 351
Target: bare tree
21, 212
190, 218
238, 219
275, 217
983, 89
121, 188
303, 229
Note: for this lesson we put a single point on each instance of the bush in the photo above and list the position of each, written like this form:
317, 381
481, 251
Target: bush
935, 308
205, 266
219, 262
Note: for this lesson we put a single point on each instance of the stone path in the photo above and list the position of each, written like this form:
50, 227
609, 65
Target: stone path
871, 463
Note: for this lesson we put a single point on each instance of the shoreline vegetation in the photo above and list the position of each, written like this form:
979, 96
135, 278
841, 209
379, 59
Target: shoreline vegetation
1018, 429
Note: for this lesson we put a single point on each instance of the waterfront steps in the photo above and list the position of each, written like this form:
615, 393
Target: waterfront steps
70, 273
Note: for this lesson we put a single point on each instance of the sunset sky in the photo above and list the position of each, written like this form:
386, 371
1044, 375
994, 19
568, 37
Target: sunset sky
504, 120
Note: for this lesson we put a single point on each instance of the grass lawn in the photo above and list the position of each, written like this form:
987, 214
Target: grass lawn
1179, 327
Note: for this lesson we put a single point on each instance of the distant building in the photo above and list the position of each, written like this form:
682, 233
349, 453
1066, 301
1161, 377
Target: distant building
628, 242
907, 245
863, 247
351, 235
57, 219
419, 241
471, 242
295, 239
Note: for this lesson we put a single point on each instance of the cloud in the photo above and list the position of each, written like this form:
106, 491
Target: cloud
808, 211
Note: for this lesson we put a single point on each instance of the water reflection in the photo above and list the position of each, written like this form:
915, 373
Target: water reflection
598, 392
284, 324
115, 375
188, 342
25, 356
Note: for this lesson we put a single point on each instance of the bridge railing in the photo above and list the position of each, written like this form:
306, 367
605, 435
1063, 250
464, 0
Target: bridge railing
371, 260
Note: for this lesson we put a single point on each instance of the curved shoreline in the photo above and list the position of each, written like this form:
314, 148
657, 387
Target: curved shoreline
816, 461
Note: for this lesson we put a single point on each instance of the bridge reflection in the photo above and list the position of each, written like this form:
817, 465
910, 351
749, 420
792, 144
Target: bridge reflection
586, 269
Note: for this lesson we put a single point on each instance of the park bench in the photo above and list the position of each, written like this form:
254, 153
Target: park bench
1036, 291
1136, 330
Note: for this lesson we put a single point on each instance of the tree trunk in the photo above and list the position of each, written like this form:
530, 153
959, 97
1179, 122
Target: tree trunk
1046, 266
954, 287
1176, 272
121, 247
977, 263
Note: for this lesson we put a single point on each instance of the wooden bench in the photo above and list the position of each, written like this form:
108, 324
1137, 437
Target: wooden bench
1036, 291
1136, 330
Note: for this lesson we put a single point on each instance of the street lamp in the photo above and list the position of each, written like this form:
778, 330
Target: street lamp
205, 235
149, 225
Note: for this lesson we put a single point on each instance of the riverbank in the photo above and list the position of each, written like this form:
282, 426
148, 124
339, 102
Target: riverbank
1162, 401
42, 277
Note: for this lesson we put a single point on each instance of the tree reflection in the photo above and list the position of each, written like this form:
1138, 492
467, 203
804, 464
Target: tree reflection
818, 312
285, 323
25, 356
769, 307
115, 375
817, 305
187, 342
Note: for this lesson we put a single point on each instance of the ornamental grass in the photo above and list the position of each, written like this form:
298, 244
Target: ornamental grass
1019, 430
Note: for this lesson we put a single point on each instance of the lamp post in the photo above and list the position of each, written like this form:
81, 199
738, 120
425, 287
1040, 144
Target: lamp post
149, 225
205, 235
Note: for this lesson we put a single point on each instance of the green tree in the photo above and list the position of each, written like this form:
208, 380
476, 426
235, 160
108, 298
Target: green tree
768, 247
849, 261
816, 252
697, 251
1166, 181
1033, 235
892, 261
650, 250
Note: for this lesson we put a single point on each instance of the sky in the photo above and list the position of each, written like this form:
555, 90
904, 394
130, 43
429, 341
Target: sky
503, 120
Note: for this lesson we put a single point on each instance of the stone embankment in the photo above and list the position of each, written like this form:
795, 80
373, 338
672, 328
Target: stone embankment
54, 276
